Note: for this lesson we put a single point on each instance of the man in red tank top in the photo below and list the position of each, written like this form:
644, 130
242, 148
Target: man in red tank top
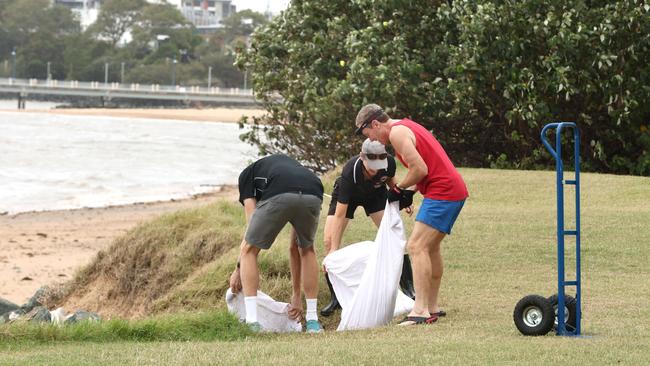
432, 173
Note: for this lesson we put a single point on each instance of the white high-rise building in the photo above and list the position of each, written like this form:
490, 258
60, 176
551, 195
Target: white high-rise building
206, 15
85, 10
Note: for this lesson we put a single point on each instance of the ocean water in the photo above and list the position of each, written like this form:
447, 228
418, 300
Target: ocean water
10, 104
50, 162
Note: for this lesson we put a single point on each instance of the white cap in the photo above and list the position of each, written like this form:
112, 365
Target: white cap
374, 147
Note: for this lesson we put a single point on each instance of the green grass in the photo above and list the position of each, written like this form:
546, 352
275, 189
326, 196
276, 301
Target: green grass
177, 327
502, 248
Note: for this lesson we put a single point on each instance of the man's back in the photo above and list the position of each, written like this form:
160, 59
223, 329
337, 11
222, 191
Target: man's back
443, 182
277, 174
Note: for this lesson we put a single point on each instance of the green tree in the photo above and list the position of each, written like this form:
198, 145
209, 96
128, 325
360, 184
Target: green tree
483, 76
80, 55
38, 31
236, 28
218, 52
6, 42
224, 73
515, 66
320, 61
115, 18
164, 32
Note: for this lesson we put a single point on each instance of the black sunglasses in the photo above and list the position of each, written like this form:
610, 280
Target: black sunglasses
365, 123
376, 156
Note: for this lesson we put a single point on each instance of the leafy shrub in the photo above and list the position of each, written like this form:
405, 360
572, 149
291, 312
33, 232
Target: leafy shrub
483, 76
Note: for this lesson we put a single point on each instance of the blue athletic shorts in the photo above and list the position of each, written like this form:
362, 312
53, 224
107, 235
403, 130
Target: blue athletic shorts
438, 214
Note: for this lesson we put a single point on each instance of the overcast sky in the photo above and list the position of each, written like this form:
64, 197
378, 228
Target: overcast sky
260, 6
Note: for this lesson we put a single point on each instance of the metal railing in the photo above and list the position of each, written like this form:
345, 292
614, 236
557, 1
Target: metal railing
95, 86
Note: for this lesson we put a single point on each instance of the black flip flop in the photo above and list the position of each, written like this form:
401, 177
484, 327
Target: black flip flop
434, 316
415, 320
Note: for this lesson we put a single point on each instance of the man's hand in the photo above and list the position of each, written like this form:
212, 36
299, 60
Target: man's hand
409, 210
235, 281
404, 196
295, 308
395, 194
407, 199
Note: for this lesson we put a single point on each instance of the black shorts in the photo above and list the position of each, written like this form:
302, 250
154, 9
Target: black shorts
371, 203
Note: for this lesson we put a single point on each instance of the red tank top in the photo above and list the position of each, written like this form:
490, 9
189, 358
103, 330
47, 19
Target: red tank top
442, 182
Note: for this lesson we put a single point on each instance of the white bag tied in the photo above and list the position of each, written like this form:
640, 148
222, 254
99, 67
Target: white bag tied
272, 315
365, 276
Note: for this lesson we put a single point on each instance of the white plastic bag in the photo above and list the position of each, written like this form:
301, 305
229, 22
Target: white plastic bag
345, 268
272, 315
365, 276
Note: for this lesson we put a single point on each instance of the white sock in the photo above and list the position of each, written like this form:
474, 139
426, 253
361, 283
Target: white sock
251, 308
311, 310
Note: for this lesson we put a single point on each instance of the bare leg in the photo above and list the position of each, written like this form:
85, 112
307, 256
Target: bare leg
309, 267
295, 310
250, 275
376, 217
435, 255
419, 246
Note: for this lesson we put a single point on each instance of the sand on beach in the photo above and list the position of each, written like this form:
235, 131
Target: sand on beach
207, 115
45, 248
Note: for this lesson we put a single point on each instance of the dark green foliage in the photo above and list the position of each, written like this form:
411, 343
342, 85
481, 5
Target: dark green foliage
484, 76
116, 18
516, 66
38, 31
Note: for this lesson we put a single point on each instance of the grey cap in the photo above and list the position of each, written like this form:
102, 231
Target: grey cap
374, 148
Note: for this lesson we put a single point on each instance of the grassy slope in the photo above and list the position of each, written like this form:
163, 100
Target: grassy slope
503, 248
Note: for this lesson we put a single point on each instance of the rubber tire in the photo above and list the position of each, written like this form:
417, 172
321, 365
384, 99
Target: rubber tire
544, 309
570, 306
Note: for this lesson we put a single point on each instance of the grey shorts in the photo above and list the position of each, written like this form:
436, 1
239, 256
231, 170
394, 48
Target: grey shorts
271, 215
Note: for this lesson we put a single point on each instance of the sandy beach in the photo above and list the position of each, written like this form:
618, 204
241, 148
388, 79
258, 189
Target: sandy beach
42, 248
207, 115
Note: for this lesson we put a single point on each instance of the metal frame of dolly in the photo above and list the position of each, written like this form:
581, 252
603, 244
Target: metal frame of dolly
562, 283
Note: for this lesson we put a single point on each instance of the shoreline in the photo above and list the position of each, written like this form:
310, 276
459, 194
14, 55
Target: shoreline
47, 247
41, 248
217, 190
228, 115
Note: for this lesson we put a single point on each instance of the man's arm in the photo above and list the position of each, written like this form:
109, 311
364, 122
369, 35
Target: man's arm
391, 182
338, 225
249, 208
403, 141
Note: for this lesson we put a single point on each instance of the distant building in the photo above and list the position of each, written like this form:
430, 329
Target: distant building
85, 10
206, 15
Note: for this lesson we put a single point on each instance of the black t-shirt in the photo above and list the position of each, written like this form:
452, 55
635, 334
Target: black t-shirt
277, 174
353, 186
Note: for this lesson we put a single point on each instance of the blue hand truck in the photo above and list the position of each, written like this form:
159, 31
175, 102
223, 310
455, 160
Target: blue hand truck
535, 315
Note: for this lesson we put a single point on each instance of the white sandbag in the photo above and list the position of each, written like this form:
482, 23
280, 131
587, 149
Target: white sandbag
272, 315
368, 293
345, 268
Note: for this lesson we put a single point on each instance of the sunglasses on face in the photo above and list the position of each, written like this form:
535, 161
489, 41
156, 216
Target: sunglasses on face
365, 124
376, 156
